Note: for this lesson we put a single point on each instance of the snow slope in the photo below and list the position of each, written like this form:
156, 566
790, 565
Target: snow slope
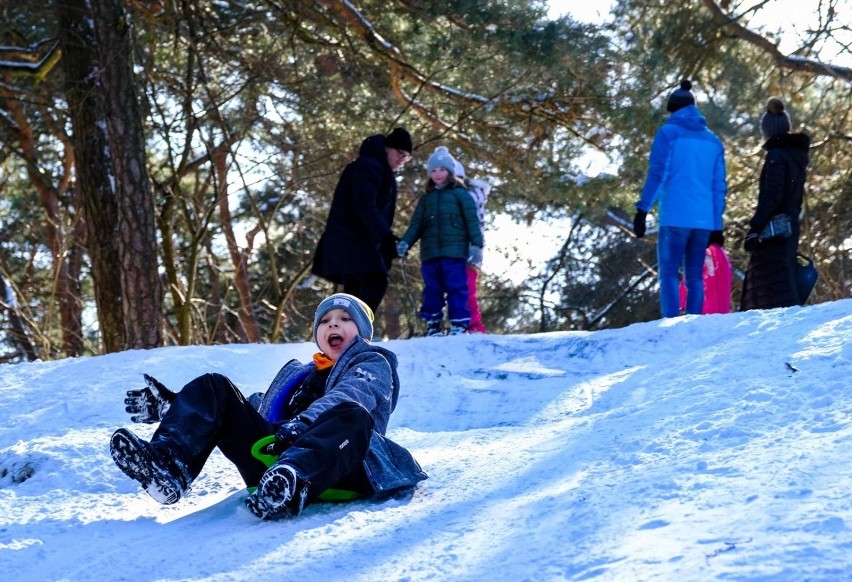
696, 448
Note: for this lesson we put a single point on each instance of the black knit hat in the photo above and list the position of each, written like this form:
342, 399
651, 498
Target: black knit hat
775, 121
681, 97
399, 139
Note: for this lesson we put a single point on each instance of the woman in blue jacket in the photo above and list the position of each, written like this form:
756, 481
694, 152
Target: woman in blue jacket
686, 179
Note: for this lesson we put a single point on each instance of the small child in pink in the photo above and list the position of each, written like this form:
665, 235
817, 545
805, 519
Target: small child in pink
717, 277
479, 191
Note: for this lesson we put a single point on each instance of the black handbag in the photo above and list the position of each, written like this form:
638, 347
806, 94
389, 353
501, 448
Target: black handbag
778, 227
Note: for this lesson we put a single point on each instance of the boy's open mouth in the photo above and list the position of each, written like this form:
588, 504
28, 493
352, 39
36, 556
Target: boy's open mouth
335, 340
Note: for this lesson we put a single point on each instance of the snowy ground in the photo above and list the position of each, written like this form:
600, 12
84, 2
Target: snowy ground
698, 448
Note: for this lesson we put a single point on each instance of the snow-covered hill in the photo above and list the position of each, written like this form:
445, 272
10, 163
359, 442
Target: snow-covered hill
697, 448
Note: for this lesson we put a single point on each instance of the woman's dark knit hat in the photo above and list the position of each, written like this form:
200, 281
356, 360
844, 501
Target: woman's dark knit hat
775, 120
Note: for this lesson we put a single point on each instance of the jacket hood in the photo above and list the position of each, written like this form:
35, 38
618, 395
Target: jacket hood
374, 147
794, 144
394, 362
689, 118
799, 141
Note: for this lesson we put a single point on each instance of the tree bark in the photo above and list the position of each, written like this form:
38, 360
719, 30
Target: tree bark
111, 172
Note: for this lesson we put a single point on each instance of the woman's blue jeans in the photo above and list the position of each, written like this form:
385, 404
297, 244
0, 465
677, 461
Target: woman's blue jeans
676, 247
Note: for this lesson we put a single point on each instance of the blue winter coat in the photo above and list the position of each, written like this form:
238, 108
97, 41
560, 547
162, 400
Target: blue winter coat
686, 173
367, 375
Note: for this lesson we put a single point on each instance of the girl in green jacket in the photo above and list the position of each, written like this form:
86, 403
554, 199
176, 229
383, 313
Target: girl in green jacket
445, 222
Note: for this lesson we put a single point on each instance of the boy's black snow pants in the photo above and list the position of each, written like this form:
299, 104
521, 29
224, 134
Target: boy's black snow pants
211, 412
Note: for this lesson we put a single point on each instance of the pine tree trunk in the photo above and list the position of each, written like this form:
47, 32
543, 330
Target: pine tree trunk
111, 172
391, 311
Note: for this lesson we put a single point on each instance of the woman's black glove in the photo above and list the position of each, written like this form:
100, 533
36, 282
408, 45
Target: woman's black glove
149, 404
752, 240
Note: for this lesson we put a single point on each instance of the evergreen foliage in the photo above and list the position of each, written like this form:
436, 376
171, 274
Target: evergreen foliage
251, 110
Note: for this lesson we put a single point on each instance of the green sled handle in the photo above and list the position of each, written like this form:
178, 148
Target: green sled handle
329, 495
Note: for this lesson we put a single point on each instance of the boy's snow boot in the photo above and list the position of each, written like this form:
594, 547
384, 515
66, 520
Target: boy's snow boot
281, 492
458, 330
434, 328
162, 475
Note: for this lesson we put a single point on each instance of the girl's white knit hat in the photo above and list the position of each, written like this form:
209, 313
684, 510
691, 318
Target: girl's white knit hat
441, 158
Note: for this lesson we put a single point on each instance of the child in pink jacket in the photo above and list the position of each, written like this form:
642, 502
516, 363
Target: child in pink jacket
717, 277
479, 191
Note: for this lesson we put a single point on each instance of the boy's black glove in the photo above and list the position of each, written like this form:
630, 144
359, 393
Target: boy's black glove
639, 223
751, 241
285, 436
149, 404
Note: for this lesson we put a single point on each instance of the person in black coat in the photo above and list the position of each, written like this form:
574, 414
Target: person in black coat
358, 244
770, 279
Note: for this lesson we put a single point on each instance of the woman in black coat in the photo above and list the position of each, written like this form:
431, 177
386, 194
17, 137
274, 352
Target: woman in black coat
770, 279
357, 246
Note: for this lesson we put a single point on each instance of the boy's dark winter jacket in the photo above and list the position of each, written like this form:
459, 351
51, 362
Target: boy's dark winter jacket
771, 276
361, 215
446, 223
367, 375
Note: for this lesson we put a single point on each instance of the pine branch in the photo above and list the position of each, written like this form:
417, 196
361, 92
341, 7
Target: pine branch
791, 62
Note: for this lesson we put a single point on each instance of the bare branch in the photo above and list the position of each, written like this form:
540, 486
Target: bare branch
791, 62
402, 69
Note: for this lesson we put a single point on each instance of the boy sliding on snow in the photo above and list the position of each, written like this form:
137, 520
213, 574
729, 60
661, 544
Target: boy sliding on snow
329, 419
